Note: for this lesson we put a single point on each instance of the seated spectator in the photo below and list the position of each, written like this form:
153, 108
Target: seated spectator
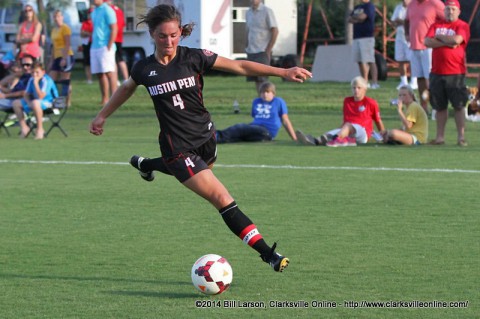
269, 112
359, 111
414, 121
11, 78
39, 95
7, 96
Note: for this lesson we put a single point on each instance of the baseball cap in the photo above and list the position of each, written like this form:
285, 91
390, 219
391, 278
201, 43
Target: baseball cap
30, 4
452, 3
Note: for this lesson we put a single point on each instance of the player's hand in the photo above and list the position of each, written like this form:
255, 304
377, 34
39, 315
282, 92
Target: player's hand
96, 127
297, 74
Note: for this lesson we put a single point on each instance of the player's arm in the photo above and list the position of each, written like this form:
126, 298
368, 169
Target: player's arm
244, 67
120, 96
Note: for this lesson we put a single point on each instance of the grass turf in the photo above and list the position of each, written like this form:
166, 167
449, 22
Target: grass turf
85, 237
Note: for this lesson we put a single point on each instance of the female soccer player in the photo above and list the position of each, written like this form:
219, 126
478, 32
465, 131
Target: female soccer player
173, 78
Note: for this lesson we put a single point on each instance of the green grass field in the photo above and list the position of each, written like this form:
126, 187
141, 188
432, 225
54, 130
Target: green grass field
82, 236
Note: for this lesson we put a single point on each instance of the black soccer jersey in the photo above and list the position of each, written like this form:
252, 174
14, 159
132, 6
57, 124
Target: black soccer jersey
176, 92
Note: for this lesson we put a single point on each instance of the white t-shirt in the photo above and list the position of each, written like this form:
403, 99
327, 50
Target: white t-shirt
400, 13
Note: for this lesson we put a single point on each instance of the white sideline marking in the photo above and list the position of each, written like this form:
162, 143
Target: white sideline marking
340, 168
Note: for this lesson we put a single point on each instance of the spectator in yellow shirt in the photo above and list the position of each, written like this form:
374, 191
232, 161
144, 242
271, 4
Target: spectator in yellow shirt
62, 60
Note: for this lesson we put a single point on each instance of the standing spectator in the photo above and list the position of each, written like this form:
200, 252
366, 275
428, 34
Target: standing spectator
39, 95
262, 33
359, 113
29, 34
363, 20
62, 60
449, 40
102, 52
86, 34
421, 14
402, 47
269, 112
414, 121
121, 64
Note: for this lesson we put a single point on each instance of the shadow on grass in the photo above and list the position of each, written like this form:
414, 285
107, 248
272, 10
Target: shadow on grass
153, 294
108, 279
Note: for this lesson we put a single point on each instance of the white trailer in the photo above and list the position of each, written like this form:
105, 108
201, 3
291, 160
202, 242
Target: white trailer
219, 26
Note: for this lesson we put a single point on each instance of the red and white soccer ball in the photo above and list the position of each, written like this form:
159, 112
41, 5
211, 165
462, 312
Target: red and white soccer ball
212, 274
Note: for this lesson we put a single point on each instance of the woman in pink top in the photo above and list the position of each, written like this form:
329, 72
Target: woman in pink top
28, 35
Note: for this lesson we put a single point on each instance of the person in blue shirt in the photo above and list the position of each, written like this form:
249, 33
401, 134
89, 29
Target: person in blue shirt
363, 45
38, 96
102, 51
269, 112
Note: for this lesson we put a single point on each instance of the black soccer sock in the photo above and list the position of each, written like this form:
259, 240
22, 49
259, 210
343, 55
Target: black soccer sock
154, 164
244, 228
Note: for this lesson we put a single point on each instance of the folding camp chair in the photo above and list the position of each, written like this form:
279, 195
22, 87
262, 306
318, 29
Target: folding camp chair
54, 114
5, 120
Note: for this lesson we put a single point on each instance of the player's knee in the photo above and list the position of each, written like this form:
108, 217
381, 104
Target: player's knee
222, 199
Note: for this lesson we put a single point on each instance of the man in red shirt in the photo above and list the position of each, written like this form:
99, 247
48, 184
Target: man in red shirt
449, 40
121, 64
421, 14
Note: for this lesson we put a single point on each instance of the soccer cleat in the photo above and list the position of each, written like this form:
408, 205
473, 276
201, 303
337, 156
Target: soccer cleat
136, 161
323, 139
275, 260
305, 139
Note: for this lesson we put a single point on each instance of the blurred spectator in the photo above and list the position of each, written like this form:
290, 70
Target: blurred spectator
449, 39
262, 33
359, 113
269, 112
421, 14
29, 34
102, 52
62, 60
414, 121
22, 75
121, 64
86, 35
402, 47
363, 46
39, 95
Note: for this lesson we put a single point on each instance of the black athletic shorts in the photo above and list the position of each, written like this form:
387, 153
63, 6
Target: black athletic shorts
187, 164
445, 88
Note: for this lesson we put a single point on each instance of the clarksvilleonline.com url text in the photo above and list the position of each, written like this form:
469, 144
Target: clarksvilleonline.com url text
405, 304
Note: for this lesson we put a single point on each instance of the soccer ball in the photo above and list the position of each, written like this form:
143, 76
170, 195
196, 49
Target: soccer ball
212, 274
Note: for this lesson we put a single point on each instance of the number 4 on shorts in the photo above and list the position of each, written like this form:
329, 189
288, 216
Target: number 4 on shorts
189, 162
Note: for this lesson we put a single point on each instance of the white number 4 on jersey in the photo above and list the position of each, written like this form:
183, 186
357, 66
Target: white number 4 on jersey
177, 101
